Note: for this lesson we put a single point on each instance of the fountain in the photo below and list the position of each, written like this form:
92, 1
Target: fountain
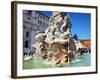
57, 44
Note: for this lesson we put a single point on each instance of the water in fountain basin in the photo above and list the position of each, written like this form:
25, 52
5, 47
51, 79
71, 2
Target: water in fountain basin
84, 60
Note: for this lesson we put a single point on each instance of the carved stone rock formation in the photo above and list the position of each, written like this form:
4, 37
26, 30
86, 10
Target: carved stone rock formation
57, 43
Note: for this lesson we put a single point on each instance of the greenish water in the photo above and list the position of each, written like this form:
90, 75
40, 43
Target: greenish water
84, 60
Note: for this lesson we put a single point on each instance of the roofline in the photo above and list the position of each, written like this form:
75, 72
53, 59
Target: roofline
40, 12
85, 39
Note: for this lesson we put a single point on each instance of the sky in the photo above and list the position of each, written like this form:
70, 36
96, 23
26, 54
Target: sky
81, 24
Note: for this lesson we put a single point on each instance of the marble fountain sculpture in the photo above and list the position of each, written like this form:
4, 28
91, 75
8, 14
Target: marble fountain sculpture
57, 44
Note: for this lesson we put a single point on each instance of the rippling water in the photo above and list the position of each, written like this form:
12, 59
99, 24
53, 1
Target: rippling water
84, 60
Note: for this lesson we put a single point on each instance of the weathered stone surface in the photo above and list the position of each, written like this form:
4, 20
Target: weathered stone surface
57, 43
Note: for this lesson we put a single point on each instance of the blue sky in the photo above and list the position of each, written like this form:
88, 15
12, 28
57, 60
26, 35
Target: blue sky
81, 24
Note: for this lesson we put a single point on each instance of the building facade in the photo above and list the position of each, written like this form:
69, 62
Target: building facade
33, 22
86, 43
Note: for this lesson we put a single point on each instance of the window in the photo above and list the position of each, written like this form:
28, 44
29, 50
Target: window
29, 18
40, 23
26, 44
43, 19
25, 54
27, 34
23, 26
46, 19
29, 11
38, 17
